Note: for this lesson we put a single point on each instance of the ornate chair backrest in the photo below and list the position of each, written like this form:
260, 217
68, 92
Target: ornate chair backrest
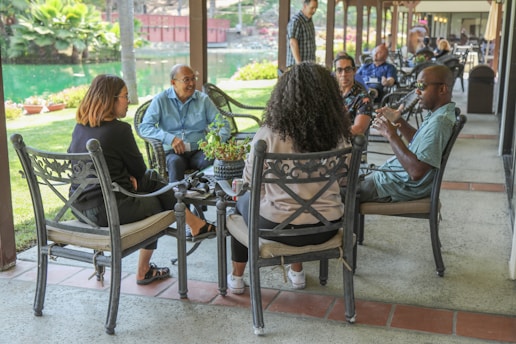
317, 171
66, 178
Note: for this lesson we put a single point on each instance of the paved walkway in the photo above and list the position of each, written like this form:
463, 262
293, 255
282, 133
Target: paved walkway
399, 297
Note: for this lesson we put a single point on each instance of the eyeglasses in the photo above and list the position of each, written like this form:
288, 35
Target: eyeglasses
345, 70
423, 85
187, 80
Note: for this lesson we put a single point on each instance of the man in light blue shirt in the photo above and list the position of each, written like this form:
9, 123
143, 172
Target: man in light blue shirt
409, 174
179, 117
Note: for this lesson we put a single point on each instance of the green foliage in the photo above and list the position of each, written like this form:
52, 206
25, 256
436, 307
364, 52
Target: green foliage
214, 148
74, 95
12, 110
53, 26
257, 71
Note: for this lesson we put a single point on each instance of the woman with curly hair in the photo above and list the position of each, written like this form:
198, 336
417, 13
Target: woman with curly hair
304, 114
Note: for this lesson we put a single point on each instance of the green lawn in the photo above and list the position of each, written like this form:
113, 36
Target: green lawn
52, 131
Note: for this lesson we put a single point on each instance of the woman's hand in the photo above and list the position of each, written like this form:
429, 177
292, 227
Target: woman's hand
134, 182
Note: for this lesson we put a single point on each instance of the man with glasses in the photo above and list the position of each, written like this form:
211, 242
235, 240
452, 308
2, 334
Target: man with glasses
357, 101
409, 174
179, 118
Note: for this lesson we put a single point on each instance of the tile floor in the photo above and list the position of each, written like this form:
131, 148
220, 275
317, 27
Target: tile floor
450, 322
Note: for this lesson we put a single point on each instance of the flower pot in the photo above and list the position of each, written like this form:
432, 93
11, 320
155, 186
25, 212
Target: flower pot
228, 170
56, 107
32, 109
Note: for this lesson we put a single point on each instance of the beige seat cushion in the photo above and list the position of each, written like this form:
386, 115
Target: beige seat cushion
420, 206
268, 248
131, 233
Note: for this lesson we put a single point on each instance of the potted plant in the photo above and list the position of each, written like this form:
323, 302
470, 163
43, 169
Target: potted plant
33, 105
228, 156
56, 102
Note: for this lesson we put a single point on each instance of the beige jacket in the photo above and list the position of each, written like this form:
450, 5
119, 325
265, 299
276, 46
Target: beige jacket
277, 205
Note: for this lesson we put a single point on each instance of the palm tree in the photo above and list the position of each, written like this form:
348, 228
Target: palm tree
126, 21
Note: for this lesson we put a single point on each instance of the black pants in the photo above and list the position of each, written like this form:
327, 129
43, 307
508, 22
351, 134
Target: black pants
239, 252
131, 209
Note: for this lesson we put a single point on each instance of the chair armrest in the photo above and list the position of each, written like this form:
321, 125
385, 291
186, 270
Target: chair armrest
228, 190
241, 115
158, 158
166, 188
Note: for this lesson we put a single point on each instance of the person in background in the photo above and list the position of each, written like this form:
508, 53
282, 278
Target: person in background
304, 114
301, 35
357, 101
98, 116
179, 118
443, 48
409, 174
378, 74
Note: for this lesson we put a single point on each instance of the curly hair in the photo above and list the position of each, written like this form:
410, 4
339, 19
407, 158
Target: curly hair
306, 106
98, 103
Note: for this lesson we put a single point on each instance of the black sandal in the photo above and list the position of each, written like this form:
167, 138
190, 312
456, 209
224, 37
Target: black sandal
154, 274
207, 231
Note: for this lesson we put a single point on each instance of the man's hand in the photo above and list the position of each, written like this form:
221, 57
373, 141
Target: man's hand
384, 126
391, 114
178, 145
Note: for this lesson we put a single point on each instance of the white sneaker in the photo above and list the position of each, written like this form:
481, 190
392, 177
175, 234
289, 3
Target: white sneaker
297, 279
236, 284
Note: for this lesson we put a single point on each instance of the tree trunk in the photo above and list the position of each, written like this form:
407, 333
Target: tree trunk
126, 21
211, 12
109, 10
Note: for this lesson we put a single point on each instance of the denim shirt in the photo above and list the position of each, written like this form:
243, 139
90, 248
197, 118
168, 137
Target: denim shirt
428, 145
167, 118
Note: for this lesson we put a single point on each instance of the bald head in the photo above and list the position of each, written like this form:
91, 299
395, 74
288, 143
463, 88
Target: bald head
380, 54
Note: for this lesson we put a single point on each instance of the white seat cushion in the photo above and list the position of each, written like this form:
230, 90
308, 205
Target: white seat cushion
131, 233
268, 248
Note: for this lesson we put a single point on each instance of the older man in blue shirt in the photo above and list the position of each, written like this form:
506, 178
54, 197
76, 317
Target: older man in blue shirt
378, 74
409, 174
179, 118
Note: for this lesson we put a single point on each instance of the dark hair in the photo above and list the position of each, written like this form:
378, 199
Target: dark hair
98, 103
343, 56
306, 107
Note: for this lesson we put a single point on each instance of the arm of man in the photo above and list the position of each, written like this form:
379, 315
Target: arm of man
384, 124
294, 47
390, 76
155, 126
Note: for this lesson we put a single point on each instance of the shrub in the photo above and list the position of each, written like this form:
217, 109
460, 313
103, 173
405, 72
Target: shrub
257, 71
74, 95
12, 110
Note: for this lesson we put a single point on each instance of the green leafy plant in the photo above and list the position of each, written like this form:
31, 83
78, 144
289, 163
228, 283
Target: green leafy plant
12, 110
257, 71
214, 148
56, 98
34, 100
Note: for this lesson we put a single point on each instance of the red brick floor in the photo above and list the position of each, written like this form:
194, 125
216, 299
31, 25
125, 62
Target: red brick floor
369, 313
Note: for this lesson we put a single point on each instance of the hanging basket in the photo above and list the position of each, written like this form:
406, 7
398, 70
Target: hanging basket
228, 170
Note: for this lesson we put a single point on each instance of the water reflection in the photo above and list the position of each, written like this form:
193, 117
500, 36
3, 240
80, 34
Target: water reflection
22, 81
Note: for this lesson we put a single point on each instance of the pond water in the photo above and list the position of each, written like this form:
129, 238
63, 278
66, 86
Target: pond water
22, 81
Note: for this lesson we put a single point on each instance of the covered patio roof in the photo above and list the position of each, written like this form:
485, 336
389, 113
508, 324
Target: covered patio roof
198, 60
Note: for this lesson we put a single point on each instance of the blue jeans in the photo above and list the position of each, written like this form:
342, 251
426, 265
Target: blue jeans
177, 164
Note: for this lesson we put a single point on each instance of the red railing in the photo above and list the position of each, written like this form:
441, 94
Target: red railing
168, 28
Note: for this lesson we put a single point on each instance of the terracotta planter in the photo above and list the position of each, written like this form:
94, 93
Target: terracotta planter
32, 109
56, 107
